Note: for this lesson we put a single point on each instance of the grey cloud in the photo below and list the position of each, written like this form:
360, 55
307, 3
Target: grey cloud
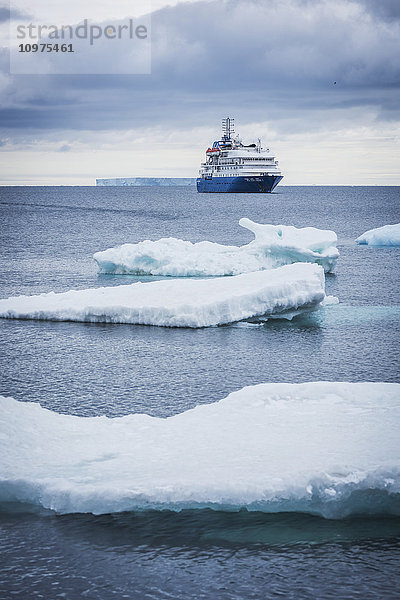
383, 9
6, 14
255, 58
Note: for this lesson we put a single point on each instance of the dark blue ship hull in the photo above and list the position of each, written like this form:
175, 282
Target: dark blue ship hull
244, 184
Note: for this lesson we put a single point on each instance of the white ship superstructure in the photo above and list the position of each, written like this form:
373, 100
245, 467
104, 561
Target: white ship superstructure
233, 166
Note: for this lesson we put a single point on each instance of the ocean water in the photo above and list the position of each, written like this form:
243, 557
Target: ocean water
49, 235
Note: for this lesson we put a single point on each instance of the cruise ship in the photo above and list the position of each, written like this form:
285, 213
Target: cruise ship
233, 167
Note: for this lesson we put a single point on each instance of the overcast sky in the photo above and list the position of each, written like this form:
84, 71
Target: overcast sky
270, 64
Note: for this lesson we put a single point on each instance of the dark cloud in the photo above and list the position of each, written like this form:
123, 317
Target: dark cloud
258, 59
6, 14
383, 9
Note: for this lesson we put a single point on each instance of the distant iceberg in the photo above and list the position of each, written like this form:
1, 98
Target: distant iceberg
273, 246
181, 302
145, 181
388, 235
329, 449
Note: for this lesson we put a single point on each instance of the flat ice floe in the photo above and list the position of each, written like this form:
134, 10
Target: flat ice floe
325, 448
181, 302
273, 246
388, 235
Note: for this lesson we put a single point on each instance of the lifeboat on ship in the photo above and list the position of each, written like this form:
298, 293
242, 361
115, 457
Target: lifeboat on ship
213, 151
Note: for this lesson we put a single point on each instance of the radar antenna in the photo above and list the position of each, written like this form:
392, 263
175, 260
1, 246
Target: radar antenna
228, 127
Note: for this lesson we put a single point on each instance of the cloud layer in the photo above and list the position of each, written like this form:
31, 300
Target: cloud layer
301, 66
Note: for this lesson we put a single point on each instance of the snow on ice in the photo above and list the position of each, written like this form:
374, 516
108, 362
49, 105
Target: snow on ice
273, 246
330, 449
181, 302
388, 235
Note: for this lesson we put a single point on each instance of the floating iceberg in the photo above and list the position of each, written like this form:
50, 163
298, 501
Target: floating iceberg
181, 303
388, 235
273, 246
324, 448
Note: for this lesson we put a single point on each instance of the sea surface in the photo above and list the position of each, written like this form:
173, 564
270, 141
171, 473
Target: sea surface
48, 237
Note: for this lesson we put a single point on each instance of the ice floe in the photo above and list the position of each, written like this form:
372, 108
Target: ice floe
325, 448
181, 302
273, 246
388, 235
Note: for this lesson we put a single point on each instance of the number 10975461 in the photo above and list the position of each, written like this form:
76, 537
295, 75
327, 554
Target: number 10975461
45, 48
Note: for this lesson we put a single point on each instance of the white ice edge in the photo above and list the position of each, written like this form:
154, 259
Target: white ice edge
388, 235
180, 302
273, 246
325, 448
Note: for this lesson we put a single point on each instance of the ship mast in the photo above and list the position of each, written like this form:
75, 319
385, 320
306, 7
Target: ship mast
228, 127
